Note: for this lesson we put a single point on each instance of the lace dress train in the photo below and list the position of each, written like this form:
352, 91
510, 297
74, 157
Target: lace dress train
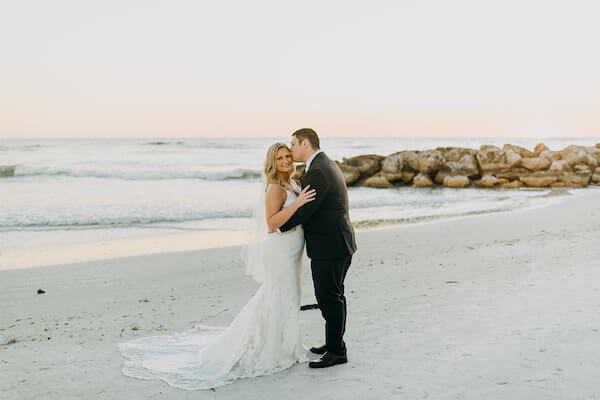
263, 338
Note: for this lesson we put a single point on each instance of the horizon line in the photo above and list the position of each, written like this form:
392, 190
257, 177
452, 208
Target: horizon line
274, 137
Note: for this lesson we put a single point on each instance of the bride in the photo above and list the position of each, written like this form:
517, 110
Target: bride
264, 337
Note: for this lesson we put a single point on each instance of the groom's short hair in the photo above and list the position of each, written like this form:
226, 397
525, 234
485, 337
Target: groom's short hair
308, 134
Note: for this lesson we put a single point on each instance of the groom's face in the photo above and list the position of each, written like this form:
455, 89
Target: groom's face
296, 149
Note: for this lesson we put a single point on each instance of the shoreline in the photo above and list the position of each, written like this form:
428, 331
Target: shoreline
106, 249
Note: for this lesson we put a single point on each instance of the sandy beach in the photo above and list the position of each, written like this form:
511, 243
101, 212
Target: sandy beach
497, 306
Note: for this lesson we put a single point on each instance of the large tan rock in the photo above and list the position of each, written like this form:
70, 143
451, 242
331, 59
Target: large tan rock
492, 160
560, 166
489, 181
577, 176
578, 155
513, 174
455, 153
377, 181
427, 161
551, 155
489, 147
409, 158
407, 176
592, 149
367, 165
596, 176
422, 180
594, 152
458, 161
351, 174
440, 175
574, 180
558, 184
513, 158
536, 163
512, 184
582, 175
391, 167
539, 148
456, 181
538, 180
519, 150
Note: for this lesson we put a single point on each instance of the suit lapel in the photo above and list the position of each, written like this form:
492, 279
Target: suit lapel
316, 160
313, 164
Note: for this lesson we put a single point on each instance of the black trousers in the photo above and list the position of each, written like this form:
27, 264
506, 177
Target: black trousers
328, 278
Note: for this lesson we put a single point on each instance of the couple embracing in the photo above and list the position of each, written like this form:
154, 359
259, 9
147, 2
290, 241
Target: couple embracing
265, 337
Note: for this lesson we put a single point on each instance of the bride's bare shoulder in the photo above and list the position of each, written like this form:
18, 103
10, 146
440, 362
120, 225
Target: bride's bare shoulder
276, 197
276, 192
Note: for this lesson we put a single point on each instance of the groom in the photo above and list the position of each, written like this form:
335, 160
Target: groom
330, 241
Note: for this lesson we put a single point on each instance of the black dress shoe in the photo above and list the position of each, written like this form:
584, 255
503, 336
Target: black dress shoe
328, 360
319, 350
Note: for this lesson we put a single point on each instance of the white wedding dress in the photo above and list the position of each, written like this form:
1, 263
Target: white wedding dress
262, 339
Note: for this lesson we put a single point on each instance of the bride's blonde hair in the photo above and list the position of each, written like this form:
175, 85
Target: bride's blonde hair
271, 167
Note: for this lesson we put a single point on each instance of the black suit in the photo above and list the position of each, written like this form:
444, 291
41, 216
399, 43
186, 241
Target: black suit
330, 244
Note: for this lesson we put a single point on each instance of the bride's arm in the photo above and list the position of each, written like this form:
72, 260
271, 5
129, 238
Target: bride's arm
276, 197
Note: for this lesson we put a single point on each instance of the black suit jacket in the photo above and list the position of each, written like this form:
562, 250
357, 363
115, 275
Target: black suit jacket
327, 228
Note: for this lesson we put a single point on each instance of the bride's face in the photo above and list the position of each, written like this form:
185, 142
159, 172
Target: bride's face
283, 160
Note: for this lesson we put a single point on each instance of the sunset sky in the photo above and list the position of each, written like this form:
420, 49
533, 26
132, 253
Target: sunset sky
263, 68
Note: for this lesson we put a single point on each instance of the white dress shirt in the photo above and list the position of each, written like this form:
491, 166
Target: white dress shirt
310, 160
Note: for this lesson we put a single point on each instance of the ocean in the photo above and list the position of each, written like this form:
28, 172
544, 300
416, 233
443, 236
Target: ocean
78, 190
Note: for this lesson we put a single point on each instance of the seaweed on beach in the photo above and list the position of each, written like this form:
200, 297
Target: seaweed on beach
7, 171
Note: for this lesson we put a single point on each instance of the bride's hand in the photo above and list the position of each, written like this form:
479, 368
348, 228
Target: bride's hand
306, 196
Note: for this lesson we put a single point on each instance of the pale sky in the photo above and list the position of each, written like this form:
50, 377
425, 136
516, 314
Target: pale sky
142, 68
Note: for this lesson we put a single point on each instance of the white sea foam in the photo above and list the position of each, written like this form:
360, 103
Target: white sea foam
206, 183
137, 173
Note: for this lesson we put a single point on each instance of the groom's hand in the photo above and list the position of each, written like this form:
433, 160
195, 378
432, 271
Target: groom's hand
316, 181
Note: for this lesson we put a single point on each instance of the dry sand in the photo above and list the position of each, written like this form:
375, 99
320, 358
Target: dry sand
500, 306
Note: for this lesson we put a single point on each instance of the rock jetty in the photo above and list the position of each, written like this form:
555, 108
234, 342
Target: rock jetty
489, 167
